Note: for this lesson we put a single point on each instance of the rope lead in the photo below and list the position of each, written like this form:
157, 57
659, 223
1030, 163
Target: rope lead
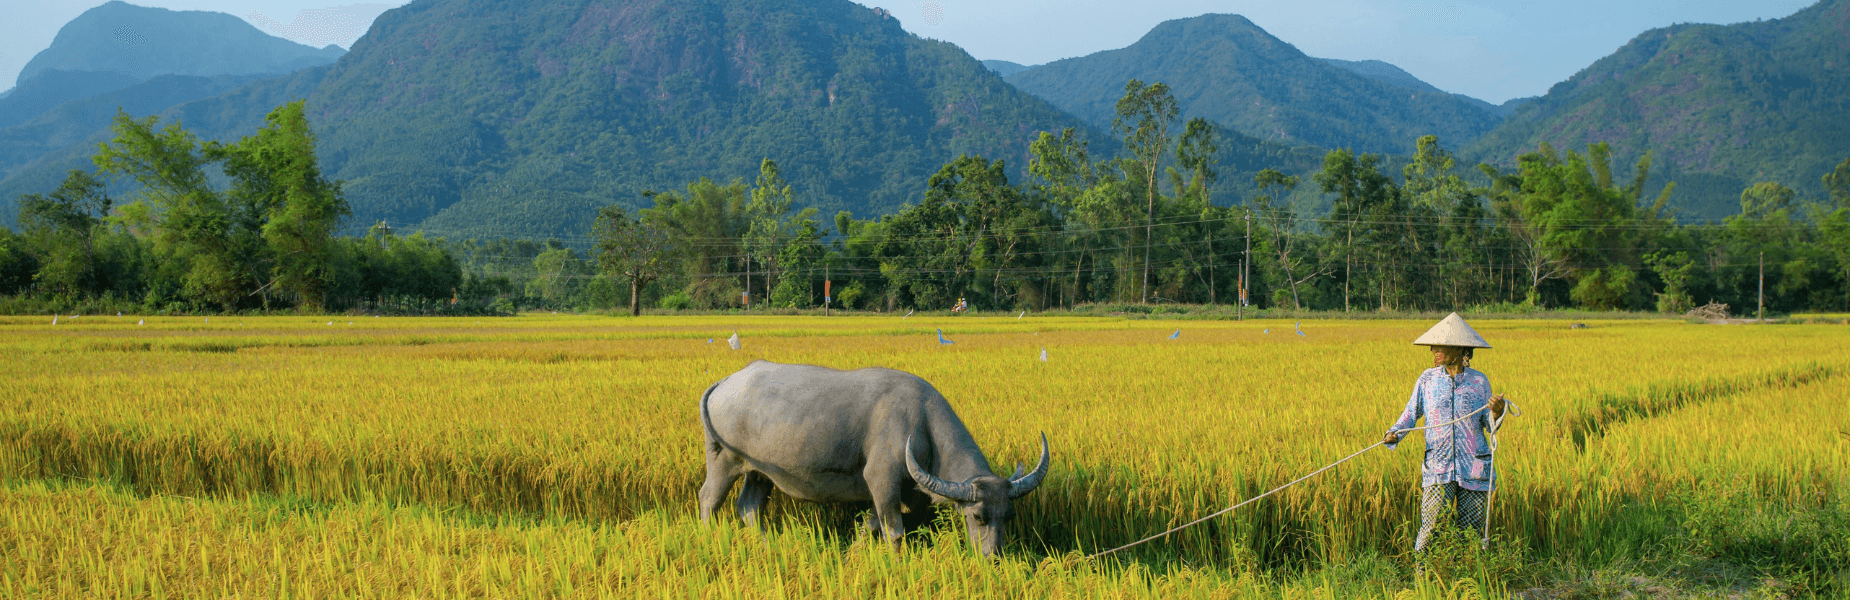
1493, 458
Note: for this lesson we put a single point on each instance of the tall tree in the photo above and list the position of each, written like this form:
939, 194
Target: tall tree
767, 222
275, 173
1834, 221
710, 222
1144, 116
636, 250
192, 223
63, 227
1446, 230
1366, 203
1279, 220
1066, 177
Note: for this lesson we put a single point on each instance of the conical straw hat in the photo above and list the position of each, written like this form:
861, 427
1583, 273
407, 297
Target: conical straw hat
1452, 331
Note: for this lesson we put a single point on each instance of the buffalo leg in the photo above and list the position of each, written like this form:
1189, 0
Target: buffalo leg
752, 495
720, 475
887, 519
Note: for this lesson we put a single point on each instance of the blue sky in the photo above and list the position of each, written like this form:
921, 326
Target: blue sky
1493, 50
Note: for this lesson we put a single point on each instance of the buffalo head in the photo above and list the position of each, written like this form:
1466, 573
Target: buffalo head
985, 500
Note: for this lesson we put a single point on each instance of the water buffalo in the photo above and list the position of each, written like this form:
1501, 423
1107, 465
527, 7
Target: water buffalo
871, 434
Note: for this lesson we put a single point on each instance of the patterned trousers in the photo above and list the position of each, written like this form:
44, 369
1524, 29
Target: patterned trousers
1468, 511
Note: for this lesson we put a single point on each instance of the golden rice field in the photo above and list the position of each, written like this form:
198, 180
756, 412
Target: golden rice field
556, 456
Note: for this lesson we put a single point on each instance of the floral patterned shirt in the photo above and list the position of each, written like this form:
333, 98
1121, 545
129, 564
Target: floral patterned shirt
1459, 452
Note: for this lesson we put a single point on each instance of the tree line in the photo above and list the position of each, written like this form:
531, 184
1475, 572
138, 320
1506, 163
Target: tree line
215, 227
1560, 229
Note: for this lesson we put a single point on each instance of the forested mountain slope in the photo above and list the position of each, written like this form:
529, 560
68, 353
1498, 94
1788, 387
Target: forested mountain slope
1721, 107
1225, 68
522, 117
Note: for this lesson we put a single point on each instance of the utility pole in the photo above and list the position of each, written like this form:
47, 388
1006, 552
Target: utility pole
1246, 263
826, 284
1211, 298
1348, 265
1762, 311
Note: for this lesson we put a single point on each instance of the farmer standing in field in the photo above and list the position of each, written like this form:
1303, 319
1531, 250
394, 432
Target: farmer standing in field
1457, 469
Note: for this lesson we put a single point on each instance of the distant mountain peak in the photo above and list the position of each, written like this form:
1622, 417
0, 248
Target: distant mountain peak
1232, 28
1229, 70
143, 42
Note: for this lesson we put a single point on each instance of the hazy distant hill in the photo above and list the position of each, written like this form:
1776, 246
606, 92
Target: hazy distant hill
144, 42
1383, 72
1006, 68
81, 120
1389, 74
1225, 68
54, 87
1721, 106
117, 45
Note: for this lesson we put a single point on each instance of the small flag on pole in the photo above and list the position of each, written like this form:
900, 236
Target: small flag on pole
1177, 334
733, 341
1043, 355
941, 339
1299, 327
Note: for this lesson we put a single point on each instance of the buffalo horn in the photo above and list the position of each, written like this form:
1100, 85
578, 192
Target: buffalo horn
1020, 485
960, 492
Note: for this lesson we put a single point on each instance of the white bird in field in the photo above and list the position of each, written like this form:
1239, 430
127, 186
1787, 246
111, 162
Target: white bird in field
1043, 355
349, 323
908, 314
118, 314
142, 322
208, 319
733, 341
330, 322
54, 319
1177, 334
941, 339
1299, 326
1023, 314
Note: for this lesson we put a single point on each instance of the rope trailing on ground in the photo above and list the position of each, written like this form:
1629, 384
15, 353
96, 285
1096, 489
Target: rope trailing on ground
1493, 458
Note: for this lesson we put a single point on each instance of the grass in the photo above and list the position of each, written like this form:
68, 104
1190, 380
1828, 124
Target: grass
573, 442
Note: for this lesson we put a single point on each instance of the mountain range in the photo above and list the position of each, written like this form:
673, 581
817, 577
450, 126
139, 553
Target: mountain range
499, 119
